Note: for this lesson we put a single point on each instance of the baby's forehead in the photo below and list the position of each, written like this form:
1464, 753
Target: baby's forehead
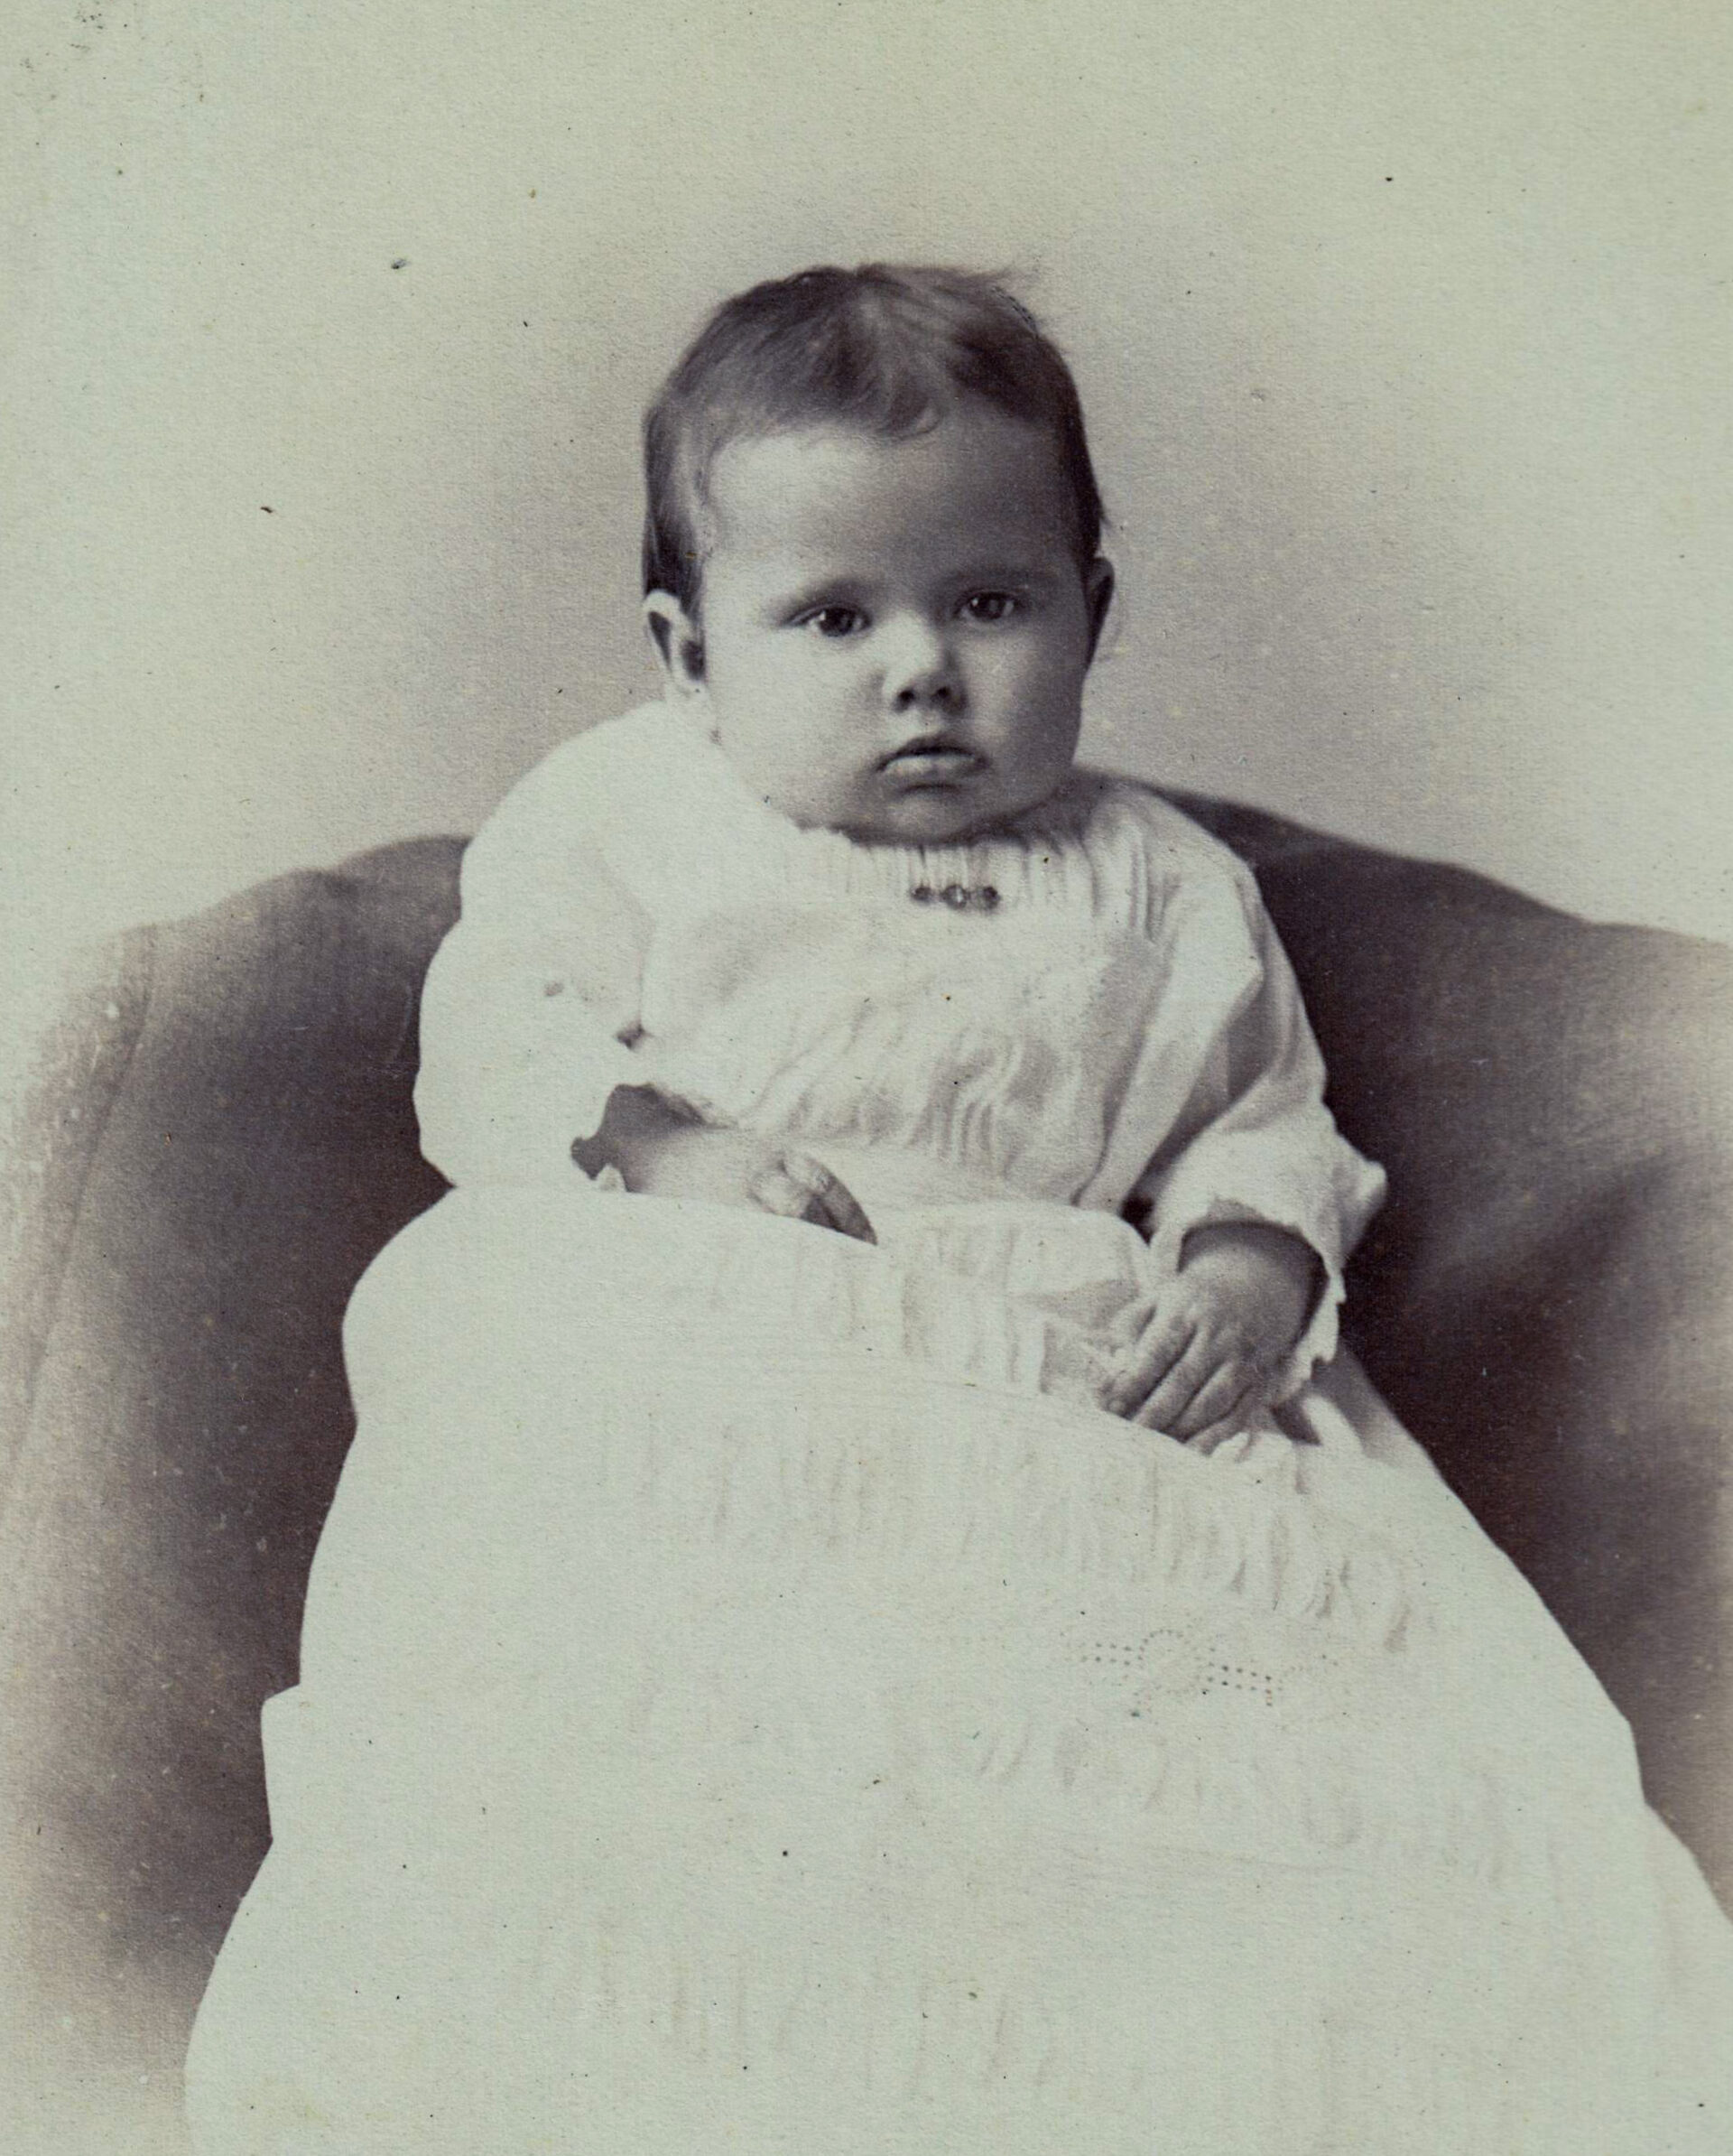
815, 489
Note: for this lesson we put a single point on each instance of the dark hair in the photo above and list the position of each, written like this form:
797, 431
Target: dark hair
887, 349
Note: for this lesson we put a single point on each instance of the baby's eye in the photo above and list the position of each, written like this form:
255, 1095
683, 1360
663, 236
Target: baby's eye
833, 621
989, 606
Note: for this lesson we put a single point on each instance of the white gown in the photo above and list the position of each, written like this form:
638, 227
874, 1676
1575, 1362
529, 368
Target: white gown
753, 1698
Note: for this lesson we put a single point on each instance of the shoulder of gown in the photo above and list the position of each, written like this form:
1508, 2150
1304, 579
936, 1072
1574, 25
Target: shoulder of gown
1133, 812
621, 793
610, 766
1156, 870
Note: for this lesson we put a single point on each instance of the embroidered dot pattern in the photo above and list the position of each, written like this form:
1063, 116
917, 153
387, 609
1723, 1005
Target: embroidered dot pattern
1169, 1661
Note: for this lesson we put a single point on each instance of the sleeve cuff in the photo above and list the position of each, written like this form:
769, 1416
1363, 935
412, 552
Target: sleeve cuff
1325, 1202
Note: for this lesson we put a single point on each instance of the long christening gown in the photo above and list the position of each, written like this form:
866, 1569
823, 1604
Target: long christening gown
753, 1698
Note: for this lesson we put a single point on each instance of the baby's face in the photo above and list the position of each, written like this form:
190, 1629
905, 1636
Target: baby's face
894, 633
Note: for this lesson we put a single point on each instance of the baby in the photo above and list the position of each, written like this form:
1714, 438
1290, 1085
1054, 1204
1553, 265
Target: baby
874, 585
752, 1694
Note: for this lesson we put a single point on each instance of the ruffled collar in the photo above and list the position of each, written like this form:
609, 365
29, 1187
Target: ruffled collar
1034, 851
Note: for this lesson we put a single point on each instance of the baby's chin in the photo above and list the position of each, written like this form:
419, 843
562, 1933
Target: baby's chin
931, 816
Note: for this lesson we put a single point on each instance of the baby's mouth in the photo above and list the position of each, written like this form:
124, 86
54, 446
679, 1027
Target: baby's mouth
929, 760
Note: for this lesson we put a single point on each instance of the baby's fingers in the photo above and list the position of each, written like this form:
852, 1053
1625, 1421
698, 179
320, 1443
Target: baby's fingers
1129, 1321
840, 1209
1151, 1362
1224, 1402
772, 1189
811, 1193
1197, 1377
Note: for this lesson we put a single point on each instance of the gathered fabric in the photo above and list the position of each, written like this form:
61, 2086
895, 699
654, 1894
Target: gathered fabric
1120, 1034
753, 1698
723, 1724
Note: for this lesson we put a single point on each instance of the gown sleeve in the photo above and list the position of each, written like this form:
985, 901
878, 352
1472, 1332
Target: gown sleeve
531, 1001
1256, 1143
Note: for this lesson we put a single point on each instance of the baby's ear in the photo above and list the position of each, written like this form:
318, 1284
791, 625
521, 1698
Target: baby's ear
1098, 591
675, 639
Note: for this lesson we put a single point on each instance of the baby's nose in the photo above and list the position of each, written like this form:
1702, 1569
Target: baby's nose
920, 667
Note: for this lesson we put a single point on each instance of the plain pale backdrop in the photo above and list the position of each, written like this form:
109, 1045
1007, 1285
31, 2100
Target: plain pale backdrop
1404, 333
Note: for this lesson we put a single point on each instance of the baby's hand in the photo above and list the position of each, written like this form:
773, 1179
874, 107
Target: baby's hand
739, 1167
1204, 1353
663, 1154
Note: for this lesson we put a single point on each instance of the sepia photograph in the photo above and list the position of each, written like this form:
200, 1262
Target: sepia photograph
867, 1079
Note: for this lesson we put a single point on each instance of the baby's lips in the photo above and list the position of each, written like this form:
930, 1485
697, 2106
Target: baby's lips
921, 765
